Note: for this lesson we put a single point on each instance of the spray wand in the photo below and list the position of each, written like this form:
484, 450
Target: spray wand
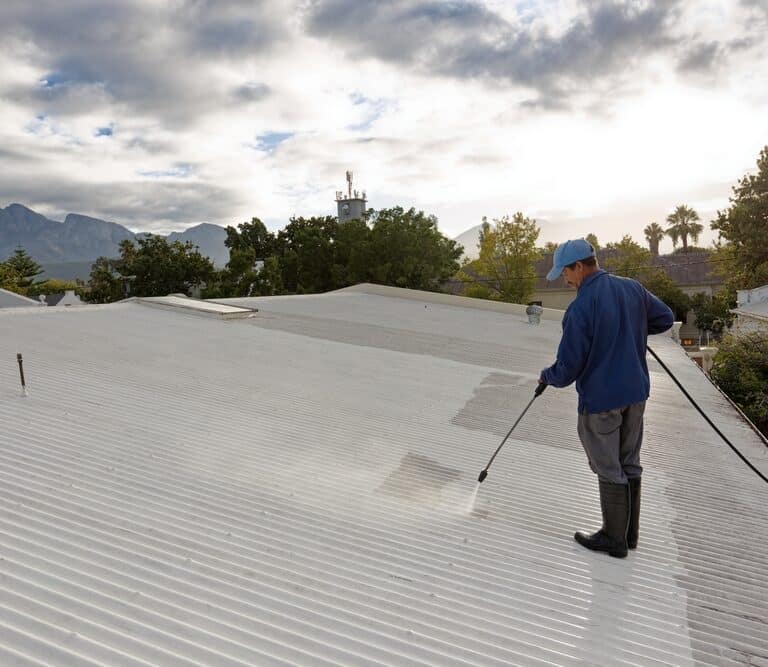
539, 391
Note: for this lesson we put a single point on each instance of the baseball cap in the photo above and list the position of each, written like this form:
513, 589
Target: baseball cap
568, 253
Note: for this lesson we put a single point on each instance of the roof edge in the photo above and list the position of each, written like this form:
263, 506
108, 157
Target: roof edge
21, 297
447, 299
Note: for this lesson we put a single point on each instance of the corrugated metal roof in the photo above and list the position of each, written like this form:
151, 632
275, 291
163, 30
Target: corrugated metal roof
295, 488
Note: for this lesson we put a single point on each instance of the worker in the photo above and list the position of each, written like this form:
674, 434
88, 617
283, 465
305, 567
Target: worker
602, 350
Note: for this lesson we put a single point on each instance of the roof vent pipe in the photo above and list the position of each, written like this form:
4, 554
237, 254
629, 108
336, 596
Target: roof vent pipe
534, 312
24, 391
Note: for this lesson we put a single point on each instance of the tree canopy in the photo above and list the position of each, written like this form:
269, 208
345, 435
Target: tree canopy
407, 249
304, 250
153, 267
627, 258
740, 368
22, 269
251, 235
508, 255
391, 246
10, 278
709, 310
743, 227
660, 284
592, 240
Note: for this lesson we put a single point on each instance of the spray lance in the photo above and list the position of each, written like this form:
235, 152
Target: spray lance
539, 391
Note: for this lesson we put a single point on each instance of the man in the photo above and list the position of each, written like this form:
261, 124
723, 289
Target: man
605, 330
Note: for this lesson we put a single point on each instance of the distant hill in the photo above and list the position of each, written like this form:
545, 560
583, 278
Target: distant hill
209, 238
66, 270
469, 240
76, 239
65, 247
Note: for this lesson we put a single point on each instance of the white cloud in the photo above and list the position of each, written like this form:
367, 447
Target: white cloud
220, 112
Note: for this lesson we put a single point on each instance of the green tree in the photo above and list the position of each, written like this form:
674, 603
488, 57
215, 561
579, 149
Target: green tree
105, 284
352, 258
549, 247
744, 228
740, 368
627, 258
269, 280
25, 267
254, 235
660, 284
234, 280
407, 249
249, 244
592, 239
682, 223
305, 252
712, 309
159, 268
10, 278
51, 286
654, 233
245, 276
154, 267
508, 255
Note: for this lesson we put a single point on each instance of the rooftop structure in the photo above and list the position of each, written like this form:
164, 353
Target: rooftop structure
298, 487
751, 311
353, 205
10, 299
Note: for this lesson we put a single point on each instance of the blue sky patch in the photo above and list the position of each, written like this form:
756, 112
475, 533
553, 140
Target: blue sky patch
54, 79
271, 140
104, 132
374, 109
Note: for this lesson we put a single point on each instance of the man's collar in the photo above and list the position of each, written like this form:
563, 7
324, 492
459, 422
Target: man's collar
590, 278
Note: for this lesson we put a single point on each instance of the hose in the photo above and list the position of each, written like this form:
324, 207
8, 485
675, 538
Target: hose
703, 414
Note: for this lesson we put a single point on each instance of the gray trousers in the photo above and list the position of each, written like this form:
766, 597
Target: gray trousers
612, 442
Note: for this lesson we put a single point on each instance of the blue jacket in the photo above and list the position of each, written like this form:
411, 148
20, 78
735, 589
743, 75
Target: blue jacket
605, 331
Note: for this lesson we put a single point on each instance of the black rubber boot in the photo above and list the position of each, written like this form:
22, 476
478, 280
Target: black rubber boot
612, 537
634, 512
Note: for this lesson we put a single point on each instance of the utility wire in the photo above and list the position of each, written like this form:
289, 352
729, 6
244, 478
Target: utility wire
709, 421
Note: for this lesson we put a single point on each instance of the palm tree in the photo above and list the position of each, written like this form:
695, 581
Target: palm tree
682, 224
653, 234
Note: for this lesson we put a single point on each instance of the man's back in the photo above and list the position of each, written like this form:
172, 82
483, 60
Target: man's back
603, 348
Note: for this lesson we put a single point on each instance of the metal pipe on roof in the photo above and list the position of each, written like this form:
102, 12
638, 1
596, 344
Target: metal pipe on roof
21, 373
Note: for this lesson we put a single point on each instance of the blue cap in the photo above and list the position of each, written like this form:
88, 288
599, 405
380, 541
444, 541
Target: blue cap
568, 253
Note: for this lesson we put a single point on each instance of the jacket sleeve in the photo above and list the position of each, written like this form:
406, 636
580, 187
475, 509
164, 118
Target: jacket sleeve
572, 353
660, 316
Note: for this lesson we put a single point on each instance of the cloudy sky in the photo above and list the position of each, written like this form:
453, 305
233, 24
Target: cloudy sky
589, 115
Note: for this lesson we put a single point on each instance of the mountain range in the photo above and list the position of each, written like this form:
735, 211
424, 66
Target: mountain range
66, 250
80, 240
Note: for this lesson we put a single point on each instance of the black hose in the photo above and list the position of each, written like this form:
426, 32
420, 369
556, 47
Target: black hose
703, 414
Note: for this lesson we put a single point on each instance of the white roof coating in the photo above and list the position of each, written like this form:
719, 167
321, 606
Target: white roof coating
10, 299
297, 488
